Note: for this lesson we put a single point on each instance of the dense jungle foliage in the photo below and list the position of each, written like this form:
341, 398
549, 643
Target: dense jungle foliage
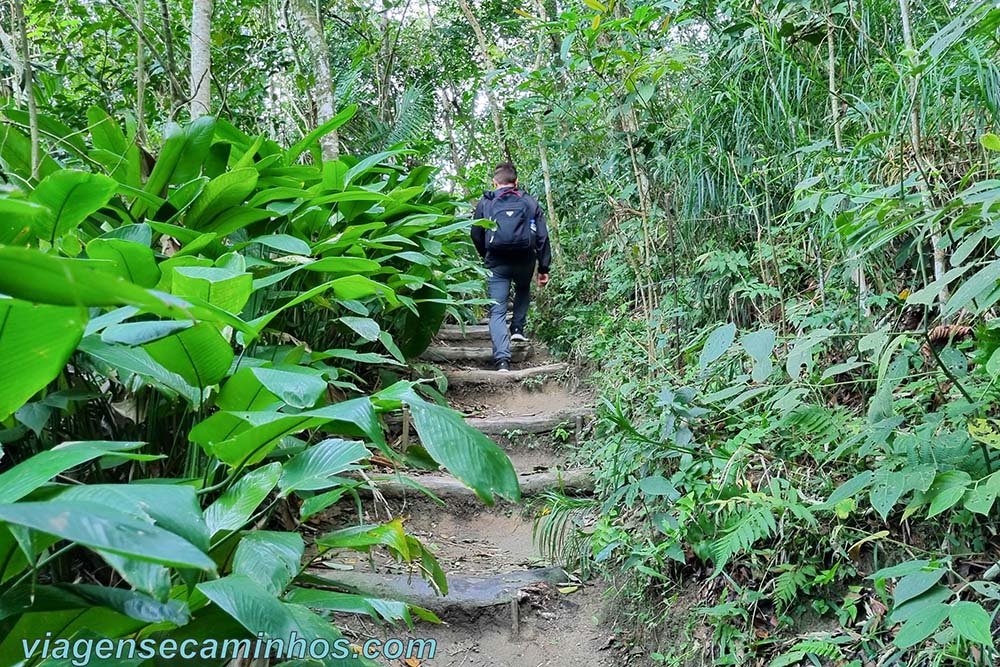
776, 227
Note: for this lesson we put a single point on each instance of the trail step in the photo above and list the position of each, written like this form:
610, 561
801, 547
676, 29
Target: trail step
490, 377
480, 354
446, 487
469, 332
465, 592
540, 423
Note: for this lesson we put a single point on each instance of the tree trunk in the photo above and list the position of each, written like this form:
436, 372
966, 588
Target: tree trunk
484, 51
140, 74
937, 248
29, 88
323, 94
201, 58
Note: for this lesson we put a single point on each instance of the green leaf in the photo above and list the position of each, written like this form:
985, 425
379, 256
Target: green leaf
222, 194
850, 488
324, 129
365, 327
136, 263
135, 361
311, 470
181, 158
980, 284
947, 489
271, 559
887, 488
70, 197
100, 527
468, 454
137, 333
759, 345
922, 625
658, 485
18, 217
199, 354
916, 584
969, 619
27, 476
990, 141
716, 345
229, 290
35, 344
234, 508
367, 163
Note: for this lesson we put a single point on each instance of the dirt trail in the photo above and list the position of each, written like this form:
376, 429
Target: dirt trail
546, 617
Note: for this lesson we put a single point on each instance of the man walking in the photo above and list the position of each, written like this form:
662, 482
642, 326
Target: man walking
517, 241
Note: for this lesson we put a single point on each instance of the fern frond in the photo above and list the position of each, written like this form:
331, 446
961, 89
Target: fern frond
754, 525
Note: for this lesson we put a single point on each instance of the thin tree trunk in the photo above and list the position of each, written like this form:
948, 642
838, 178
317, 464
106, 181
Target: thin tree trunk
484, 51
201, 58
937, 248
449, 128
140, 74
543, 156
176, 94
29, 88
323, 94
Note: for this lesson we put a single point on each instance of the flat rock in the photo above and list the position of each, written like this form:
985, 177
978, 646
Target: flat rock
465, 592
491, 377
446, 487
483, 354
539, 423
478, 332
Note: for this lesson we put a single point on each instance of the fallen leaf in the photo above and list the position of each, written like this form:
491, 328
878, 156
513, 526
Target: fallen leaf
569, 589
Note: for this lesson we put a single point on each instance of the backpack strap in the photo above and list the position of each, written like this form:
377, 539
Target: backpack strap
509, 191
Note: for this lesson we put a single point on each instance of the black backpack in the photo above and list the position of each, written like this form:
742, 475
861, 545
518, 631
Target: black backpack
515, 231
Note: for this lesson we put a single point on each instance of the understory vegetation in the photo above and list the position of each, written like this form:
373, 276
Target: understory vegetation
229, 229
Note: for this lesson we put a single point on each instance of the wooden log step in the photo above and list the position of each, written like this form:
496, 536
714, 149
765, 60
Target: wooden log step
541, 423
491, 377
447, 488
520, 352
466, 593
469, 332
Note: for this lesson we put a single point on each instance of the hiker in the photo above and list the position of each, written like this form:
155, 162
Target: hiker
510, 250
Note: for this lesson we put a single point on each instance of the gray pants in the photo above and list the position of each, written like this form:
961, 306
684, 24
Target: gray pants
498, 287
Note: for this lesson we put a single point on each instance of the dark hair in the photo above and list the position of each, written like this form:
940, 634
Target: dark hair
505, 174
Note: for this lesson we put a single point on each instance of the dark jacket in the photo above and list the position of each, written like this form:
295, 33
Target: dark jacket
542, 252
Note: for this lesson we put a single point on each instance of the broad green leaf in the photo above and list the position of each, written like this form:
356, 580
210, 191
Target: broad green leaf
467, 454
365, 327
887, 488
227, 289
136, 263
759, 345
17, 220
283, 242
25, 477
199, 354
235, 507
47, 598
850, 488
138, 333
367, 163
363, 537
801, 353
70, 197
311, 470
271, 559
35, 344
990, 141
297, 387
969, 619
344, 115
980, 284
658, 485
921, 625
181, 158
916, 584
100, 527
947, 489
34, 276
129, 361
220, 195
316, 504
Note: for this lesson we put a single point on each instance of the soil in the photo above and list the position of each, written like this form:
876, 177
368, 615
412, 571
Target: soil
553, 626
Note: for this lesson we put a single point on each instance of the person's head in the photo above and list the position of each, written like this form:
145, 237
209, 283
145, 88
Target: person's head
505, 175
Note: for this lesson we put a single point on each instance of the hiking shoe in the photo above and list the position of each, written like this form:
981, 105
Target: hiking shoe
503, 365
517, 336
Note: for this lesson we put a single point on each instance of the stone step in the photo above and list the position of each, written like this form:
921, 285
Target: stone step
540, 423
520, 352
493, 378
468, 332
446, 487
466, 593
